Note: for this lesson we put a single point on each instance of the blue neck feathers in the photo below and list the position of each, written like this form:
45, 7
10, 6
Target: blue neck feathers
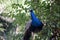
35, 21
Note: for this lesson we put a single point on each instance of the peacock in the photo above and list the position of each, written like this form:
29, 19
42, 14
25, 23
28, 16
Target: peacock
34, 25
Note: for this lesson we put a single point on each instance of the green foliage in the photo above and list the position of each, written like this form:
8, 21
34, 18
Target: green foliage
48, 13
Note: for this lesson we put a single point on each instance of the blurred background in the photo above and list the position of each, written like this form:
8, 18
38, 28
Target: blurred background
14, 14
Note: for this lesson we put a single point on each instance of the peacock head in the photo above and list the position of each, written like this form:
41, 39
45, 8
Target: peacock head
31, 10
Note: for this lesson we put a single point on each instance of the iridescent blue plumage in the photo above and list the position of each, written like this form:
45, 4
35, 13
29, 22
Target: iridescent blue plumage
34, 25
35, 21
